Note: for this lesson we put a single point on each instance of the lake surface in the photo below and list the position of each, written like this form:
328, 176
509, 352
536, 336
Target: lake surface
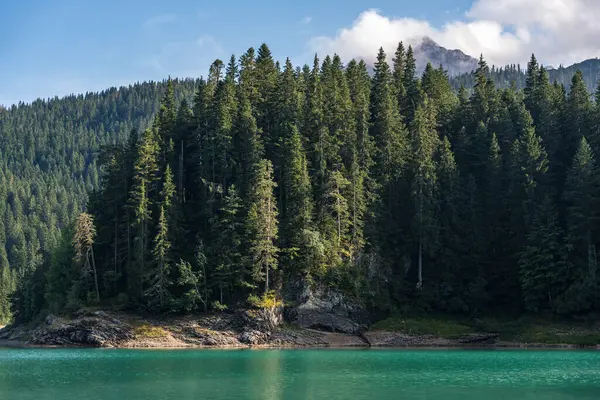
100, 374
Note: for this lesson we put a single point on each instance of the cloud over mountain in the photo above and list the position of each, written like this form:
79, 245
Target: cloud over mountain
504, 31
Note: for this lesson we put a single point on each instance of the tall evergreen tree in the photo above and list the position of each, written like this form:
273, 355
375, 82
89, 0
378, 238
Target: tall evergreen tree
424, 138
297, 227
543, 263
262, 225
399, 70
387, 128
581, 197
142, 196
412, 86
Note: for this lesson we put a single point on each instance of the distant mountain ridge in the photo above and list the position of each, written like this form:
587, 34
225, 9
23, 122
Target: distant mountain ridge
460, 65
505, 76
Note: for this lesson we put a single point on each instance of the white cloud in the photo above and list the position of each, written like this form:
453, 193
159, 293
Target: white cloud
159, 20
504, 31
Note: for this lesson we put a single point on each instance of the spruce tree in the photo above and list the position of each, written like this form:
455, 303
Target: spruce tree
229, 272
262, 225
297, 226
424, 138
581, 196
531, 85
142, 200
542, 262
359, 153
249, 147
399, 66
387, 128
412, 87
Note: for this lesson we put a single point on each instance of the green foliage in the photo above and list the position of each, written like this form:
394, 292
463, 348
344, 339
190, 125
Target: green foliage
146, 331
218, 306
262, 225
266, 300
392, 188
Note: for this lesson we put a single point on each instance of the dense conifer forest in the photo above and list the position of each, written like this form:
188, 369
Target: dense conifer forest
403, 192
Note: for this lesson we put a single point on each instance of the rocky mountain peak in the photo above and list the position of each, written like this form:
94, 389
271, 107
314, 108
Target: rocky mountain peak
454, 61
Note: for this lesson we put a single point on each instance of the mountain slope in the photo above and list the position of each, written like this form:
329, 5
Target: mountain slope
454, 61
48, 152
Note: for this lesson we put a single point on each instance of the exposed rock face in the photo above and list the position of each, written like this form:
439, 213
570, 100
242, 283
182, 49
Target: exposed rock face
263, 319
479, 338
252, 337
93, 329
327, 310
243, 328
454, 61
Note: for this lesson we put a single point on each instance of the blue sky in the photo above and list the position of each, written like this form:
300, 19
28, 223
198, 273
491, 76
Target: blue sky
58, 47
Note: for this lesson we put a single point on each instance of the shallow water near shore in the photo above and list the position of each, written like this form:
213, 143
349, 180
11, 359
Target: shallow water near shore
100, 374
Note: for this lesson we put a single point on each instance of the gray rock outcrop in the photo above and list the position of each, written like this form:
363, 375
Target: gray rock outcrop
327, 310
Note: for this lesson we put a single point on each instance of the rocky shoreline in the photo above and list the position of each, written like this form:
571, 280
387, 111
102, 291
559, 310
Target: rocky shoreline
243, 329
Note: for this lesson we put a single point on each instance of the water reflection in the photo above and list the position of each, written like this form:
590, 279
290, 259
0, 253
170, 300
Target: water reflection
84, 374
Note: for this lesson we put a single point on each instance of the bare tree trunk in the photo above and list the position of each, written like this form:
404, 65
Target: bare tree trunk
161, 280
269, 240
143, 259
181, 174
420, 282
116, 253
267, 278
354, 209
95, 274
339, 220
205, 288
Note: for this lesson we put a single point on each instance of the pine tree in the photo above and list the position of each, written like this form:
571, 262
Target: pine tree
250, 148
5, 294
399, 66
527, 179
228, 271
435, 85
220, 142
83, 243
262, 225
412, 86
581, 197
531, 84
158, 293
359, 153
297, 225
266, 83
542, 262
387, 128
145, 175
192, 281
494, 202
424, 140
248, 76
61, 274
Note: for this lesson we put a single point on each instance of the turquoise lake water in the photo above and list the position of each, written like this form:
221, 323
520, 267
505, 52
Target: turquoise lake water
100, 374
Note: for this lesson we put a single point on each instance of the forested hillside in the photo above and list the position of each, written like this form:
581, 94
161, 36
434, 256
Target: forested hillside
394, 189
508, 75
48, 164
